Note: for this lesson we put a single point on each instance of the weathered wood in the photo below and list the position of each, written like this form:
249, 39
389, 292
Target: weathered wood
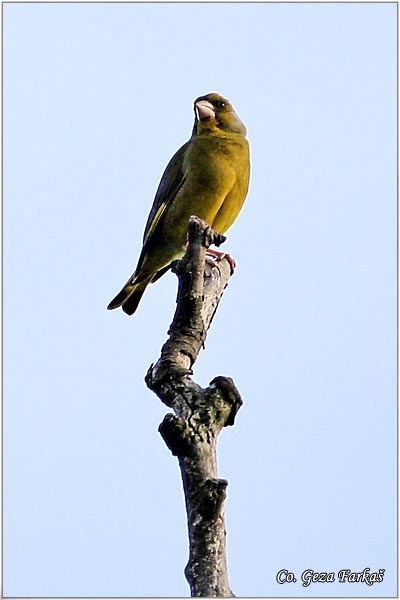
200, 414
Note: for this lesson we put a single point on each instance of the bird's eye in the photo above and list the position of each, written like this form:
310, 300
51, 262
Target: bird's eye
219, 104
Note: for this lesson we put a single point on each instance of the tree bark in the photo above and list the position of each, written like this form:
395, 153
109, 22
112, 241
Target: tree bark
200, 414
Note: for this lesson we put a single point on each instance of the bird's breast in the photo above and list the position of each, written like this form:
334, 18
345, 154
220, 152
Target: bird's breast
214, 161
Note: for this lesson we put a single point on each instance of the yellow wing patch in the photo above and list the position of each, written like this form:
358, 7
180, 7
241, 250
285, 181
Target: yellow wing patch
155, 221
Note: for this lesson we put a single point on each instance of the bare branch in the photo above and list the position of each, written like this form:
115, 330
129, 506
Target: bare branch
200, 414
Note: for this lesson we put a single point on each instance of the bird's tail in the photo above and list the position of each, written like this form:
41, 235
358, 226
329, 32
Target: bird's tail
130, 295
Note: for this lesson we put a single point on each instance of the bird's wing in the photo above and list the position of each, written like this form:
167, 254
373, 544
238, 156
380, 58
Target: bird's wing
171, 181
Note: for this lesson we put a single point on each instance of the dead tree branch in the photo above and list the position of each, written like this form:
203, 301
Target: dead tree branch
200, 414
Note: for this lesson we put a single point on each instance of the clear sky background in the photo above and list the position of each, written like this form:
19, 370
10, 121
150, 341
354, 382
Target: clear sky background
97, 98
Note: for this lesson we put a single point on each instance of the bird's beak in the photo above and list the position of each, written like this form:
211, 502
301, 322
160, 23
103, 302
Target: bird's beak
204, 110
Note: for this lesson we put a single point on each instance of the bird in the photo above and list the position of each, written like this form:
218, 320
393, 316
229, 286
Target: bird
207, 177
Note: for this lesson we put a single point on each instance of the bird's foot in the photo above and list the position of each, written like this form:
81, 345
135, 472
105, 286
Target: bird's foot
213, 256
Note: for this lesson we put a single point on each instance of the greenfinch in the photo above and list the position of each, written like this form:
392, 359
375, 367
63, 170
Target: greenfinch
207, 177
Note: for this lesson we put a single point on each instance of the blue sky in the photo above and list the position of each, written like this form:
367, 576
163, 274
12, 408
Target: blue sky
96, 99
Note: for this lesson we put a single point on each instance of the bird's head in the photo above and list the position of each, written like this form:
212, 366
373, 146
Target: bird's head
213, 112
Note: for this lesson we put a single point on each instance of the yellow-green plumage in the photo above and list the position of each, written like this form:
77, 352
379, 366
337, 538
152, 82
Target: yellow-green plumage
208, 177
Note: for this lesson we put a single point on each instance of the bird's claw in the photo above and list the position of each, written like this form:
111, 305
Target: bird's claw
216, 256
